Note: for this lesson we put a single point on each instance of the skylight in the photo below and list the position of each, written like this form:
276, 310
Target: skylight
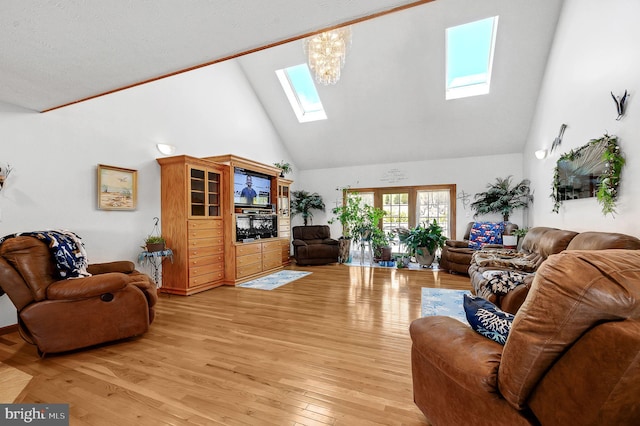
301, 92
470, 57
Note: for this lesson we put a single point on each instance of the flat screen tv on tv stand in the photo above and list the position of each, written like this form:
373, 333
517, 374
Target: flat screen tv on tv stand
251, 189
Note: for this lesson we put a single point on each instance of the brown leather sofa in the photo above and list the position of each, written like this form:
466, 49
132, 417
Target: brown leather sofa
538, 244
456, 254
313, 245
59, 315
571, 357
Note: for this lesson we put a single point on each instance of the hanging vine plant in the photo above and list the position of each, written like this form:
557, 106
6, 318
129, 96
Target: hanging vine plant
609, 157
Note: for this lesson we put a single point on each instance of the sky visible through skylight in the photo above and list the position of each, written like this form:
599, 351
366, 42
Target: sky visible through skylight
301, 93
470, 55
305, 89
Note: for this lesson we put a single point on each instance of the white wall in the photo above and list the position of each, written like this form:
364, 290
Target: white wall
209, 111
470, 175
595, 52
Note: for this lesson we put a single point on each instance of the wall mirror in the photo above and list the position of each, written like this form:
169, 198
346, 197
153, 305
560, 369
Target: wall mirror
592, 170
579, 176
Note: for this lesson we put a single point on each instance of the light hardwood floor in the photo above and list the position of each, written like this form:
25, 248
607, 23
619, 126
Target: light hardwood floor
332, 348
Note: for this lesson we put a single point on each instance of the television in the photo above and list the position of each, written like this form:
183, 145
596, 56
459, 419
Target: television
251, 189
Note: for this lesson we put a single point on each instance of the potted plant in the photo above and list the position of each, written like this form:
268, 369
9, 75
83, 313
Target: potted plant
154, 243
284, 167
359, 222
520, 233
350, 217
302, 202
501, 197
381, 244
423, 242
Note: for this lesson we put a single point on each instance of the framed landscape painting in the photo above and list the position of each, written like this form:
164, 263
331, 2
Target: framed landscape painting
117, 188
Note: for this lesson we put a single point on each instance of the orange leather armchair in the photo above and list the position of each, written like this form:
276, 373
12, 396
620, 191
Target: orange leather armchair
59, 315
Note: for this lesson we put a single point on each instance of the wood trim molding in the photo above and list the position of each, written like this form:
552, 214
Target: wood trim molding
246, 52
8, 329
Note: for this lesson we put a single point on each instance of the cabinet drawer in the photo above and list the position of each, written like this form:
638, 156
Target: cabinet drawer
253, 268
284, 221
248, 249
249, 258
206, 251
206, 278
205, 242
272, 255
271, 246
206, 260
195, 271
204, 224
271, 263
285, 253
205, 233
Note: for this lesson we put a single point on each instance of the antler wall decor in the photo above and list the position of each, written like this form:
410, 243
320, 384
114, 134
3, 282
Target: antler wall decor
620, 103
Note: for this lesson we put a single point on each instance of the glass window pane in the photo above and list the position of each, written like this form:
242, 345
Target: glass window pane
434, 205
298, 86
470, 50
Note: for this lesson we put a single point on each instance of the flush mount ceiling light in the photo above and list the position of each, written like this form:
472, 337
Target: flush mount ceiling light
326, 54
165, 148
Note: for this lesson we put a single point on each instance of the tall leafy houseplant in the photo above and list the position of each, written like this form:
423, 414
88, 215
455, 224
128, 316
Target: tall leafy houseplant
423, 241
349, 215
501, 197
302, 202
359, 222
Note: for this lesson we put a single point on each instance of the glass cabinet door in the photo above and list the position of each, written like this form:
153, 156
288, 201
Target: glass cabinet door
283, 200
213, 193
204, 192
197, 192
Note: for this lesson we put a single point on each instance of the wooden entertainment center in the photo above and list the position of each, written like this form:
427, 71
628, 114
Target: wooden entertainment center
215, 239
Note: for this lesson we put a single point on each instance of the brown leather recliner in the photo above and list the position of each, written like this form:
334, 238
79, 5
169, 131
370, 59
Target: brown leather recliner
313, 245
59, 315
456, 254
572, 355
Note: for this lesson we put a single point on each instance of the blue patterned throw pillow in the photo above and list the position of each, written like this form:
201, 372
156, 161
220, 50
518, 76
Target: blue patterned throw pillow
485, 233
487, 319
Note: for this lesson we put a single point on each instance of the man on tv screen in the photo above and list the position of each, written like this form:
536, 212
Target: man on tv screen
248, 193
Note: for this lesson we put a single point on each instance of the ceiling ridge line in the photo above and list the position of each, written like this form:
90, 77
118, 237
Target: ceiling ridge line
247, 52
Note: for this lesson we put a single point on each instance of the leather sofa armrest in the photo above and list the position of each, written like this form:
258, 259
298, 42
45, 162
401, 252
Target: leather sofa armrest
492, 246
330, 241
512, 301
298, 243
468, 358
124, 266
83, 288
457, 243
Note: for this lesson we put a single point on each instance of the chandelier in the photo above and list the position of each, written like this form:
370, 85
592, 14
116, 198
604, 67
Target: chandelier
326, 54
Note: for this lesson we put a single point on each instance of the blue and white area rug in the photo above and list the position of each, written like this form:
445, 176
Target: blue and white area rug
274, 280
441, 301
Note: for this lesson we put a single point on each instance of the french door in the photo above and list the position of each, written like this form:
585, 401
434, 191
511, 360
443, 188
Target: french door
410, 206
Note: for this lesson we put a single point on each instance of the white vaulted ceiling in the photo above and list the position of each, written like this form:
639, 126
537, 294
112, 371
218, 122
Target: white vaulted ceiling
388, 106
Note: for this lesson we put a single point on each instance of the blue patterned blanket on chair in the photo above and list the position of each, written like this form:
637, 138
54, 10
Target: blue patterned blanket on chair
66, 249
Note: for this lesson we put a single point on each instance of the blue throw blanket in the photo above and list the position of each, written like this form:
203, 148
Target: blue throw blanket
66, 249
